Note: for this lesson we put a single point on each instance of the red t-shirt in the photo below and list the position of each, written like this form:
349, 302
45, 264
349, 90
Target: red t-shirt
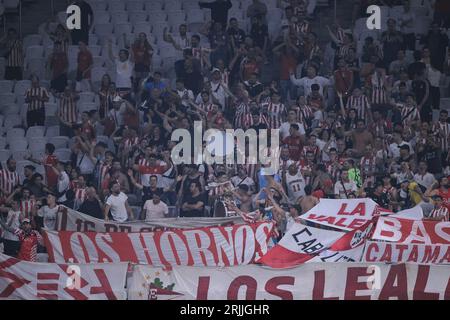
52, 177
85, 60
28, 245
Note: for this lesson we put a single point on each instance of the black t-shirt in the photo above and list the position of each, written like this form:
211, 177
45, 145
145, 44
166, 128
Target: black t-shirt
91, 208
258, 33
219, 10
189, 199
238, 36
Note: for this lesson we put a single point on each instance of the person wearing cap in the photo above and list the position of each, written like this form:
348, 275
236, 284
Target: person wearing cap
28, 238
219, 90
440, 212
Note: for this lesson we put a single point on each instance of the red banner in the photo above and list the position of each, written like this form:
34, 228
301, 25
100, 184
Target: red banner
214, 246
412, 231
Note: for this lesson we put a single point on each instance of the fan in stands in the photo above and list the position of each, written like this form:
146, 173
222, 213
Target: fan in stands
87, 115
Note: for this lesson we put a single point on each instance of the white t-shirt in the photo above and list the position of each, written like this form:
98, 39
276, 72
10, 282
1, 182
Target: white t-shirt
285, 126
426, 180
219, 93
85, 163
183, 93
124, 71
117, 115
63, 185
394, 151
13, 220
295, 186
410, 17
155, 211
118, 209
49, 215
349, 187
306, 83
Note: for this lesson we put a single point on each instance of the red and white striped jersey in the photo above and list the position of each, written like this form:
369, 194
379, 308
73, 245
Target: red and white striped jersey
302, 27
15, 54
68, 111
26, 207
130, 142
275, 114
103, 169
225, 76
361, 104
35, 95
29, 244
332, 170
441, 212
8, 180
379, 91
442, 130
305, 167
207, 107
80, 194
197, 53
409, 113
242, 115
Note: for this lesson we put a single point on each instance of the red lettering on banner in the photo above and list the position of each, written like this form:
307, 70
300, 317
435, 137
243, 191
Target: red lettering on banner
421, 284
413, 254
236, 284
104, 287
360, 209
401, 248
447, 291
319, 287
387, 254
42, 286
12, 286
397, 274
430, 256
446, 257
79, 224
272, 287
203, 288
352, 285
340, 223
356, 223
371, 247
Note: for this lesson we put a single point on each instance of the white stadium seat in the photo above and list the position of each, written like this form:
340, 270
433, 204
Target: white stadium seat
118, 17
34, 52
35, 131
153, 5
121, 28
63, 154
98, 5
7, 98
59, 141
18, 145
50, 109
172, 5
15, 133
137, 16
102, 17
4, 155
2, 143
84, 107
37, 143
116, 5
52, 131
103, 29
12, 121
135, 5
6, 86
21, 87
20, 155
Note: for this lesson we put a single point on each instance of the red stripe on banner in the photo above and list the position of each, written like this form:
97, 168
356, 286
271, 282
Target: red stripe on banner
105, 286
280, 257
47, 296
47, 286
48, 276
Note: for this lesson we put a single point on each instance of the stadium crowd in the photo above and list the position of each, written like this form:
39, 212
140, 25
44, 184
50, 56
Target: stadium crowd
362, 113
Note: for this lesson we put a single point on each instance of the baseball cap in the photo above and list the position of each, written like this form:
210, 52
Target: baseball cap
404, 146
26, 220
117, 99
215, 70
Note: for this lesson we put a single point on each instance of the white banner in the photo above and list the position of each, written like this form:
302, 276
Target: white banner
317, 281
71, 220
50, 281
410, 253
344, 214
